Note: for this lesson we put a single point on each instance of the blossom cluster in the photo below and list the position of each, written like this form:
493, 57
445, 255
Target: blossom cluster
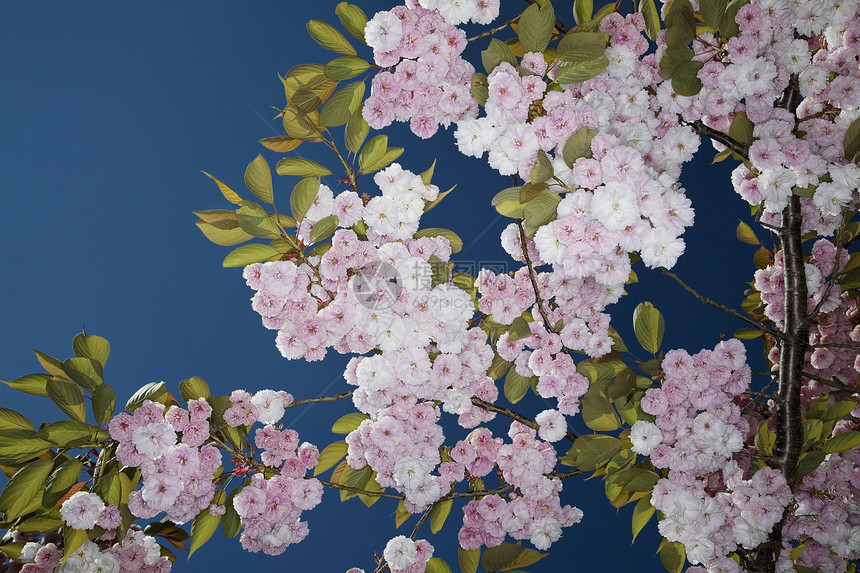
270, 509
176, 466
136, 553
404, 555
429, 84
832, 312
817, 43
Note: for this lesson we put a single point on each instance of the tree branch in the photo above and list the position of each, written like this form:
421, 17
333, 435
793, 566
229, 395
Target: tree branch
720, 137
358, 490
493, 30
722, 307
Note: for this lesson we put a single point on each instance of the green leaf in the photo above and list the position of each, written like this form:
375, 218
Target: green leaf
746, 235
648, 325
330, 456
541, 209
303, 196
326, 36
68, 397
712, 12
468, 559
258, 178
578, 145
578, 72
230, 521
747, 333
23, 493
324, 228
356, 131
761, 258
18, 446
90, 346
516, 386
673, 57
592, 451
87, 372
72, 541
41, 523
809, 461
388, 156
353, 20
642, 512
71, 433
280, 143
685, 80
346, 101
247, 254
741, 129
764, 440
154, 391
480, 88
346, 67
372, 152
841, 409
581, 47
349, 422
436, 565
851, 141
598, 413
194, 388
542, 169
509, 556
301, 167
842, 442
453, 238
729, 27
652, 18
496, 53
61, 479
299, 125
228, 193
535, 27
12, 420
673, 556
104, 403
35, 384
582, 11
225, 232
427, 176
205, 524
507, 203
439, 514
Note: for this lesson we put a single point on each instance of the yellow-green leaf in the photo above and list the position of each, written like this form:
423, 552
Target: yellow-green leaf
330, 456
12, 420
468, 559
436, 565
247, 254
356, 131
353, 19
258, 178
61, 479
303, 196
453, 238
18, 446
338, 109
154, 392
746, 235
280, 143
68, 397
598, 413
652, 18
516, 386
347, 423
439, 514
35, 384
535, 27
507, 203
673, 556
326, 36
194, 388
72, 541
578, 72
87, 372
642, 512
90, 346
205, 524
648, 325
842, 442
582, 11
71, 433
346, 67
324, 228
23, 493
228, 193
301, 167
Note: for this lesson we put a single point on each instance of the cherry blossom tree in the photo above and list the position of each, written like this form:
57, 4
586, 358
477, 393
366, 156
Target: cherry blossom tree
745, 471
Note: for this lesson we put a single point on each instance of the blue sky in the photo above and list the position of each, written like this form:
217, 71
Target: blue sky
109, 114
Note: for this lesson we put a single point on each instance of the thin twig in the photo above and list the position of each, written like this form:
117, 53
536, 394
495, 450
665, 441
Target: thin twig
493, 30
514, 416
833, 383
358, 490
720, 137
722, 307
321, 399
533, 277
